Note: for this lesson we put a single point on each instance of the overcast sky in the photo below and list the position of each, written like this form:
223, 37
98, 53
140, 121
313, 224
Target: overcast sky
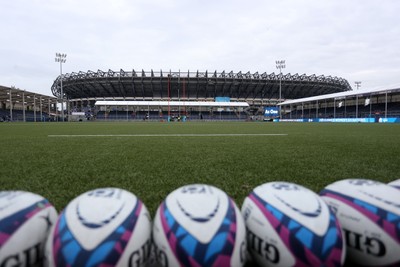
358, 40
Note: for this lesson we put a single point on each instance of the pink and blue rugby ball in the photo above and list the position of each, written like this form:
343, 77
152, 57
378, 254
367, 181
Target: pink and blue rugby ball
289, 225
25, 221
369, 213
103, 227
199, 225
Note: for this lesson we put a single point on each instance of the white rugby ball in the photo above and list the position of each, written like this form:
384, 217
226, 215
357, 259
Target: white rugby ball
199, 225
395, 183
102, 227
290, 225
369, 213
25, 221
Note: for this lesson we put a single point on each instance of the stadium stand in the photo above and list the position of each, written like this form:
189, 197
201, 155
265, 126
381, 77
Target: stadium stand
25, 105
375, 103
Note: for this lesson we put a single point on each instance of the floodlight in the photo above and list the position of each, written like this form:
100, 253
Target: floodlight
280, 64
62, 59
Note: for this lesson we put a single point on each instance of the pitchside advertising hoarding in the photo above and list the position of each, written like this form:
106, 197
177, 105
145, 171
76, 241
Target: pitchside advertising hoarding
271, 112
350, 120
389, 120
222, 99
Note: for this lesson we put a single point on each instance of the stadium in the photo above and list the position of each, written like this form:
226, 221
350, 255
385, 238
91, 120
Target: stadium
175, 95
193, 94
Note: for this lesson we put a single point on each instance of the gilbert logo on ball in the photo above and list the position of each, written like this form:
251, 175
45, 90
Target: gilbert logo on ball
103, 227
369, 213
289, 225
25, 221
199, 225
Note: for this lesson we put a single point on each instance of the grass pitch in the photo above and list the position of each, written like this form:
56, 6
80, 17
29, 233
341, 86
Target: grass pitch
62, 160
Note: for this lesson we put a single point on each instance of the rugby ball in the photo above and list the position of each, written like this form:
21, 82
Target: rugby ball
25, 221
102, 227
290, 225
369, 213
395, 183
199, 225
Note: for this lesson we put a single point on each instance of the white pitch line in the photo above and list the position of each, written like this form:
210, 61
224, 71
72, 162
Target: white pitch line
160, 135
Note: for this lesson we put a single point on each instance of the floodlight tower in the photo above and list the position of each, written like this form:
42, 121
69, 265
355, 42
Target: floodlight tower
358, 84
280, 64
61, 58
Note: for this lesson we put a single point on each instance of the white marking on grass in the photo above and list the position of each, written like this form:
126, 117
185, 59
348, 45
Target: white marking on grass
159, 135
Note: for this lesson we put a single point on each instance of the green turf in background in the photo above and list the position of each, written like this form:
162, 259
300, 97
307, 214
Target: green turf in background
312, 154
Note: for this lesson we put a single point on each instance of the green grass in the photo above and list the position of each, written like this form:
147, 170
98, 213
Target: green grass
311, 154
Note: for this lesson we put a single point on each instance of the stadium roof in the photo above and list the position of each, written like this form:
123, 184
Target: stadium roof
342, 95
172, 103
161, 85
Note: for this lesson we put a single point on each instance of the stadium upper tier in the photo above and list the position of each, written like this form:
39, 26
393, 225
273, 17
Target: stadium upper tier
194, 85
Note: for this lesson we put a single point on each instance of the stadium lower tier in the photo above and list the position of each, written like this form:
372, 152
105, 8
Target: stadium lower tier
88, 113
